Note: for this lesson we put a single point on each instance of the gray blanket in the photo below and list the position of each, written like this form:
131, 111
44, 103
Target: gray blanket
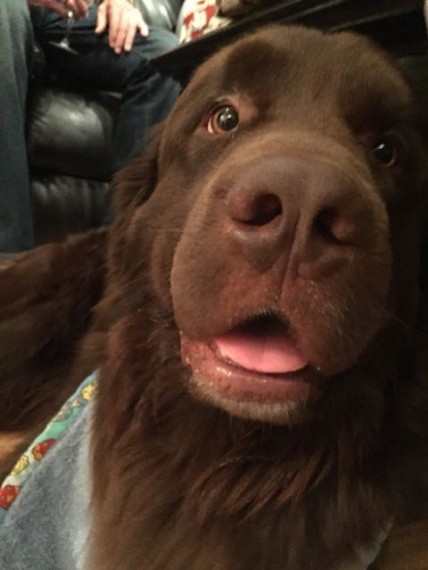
47, 526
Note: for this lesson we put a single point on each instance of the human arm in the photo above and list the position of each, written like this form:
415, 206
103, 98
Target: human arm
123, 21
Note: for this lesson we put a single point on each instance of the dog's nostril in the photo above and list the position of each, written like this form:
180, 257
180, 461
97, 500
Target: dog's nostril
333, 227
267, 208
257, 211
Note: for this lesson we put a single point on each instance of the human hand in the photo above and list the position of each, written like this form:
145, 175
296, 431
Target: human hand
62, 7
123, 21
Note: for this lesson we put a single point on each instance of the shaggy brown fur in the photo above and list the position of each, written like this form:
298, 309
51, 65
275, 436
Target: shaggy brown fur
46, 302
307, 214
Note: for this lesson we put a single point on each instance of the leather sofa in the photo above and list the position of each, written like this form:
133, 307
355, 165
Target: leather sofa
70, 166
69, 136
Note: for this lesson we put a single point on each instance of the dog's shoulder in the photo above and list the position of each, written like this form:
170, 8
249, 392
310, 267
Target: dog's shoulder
47, 298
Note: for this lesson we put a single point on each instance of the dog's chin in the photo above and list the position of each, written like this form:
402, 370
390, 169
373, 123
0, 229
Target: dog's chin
286, 397
285, 412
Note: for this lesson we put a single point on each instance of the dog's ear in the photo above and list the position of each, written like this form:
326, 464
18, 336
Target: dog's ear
135, 182
46, 301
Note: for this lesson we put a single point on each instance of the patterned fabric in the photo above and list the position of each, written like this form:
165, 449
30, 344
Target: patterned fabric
29, 461
49, 526
197, 17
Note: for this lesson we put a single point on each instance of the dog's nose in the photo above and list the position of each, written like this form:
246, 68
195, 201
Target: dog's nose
307, 211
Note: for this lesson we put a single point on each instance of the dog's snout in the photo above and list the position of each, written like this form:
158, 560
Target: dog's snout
309, 209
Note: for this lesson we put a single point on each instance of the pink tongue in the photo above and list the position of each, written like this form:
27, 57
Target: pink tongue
268, 351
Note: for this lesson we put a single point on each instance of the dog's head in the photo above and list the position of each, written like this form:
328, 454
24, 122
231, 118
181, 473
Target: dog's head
278, 223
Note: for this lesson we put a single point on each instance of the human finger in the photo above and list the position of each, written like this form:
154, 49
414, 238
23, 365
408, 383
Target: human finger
123, 29
142, 26
130, 36
114, 25
101, 19
137, 24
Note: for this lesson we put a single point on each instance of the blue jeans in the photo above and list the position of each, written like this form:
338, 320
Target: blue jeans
147, 97
16, 41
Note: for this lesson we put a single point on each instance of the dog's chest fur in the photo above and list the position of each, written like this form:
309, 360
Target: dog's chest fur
203, 492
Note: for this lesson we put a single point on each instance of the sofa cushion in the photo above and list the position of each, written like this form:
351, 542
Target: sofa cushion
70, 132
161, 13
63, 204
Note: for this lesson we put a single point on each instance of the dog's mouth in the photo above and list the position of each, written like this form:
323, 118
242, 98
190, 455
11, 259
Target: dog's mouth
256, 363
262, 346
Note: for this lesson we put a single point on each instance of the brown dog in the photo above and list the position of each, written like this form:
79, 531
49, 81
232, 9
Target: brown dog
258, 335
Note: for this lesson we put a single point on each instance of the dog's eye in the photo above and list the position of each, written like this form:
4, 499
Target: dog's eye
386, 151
223, 119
